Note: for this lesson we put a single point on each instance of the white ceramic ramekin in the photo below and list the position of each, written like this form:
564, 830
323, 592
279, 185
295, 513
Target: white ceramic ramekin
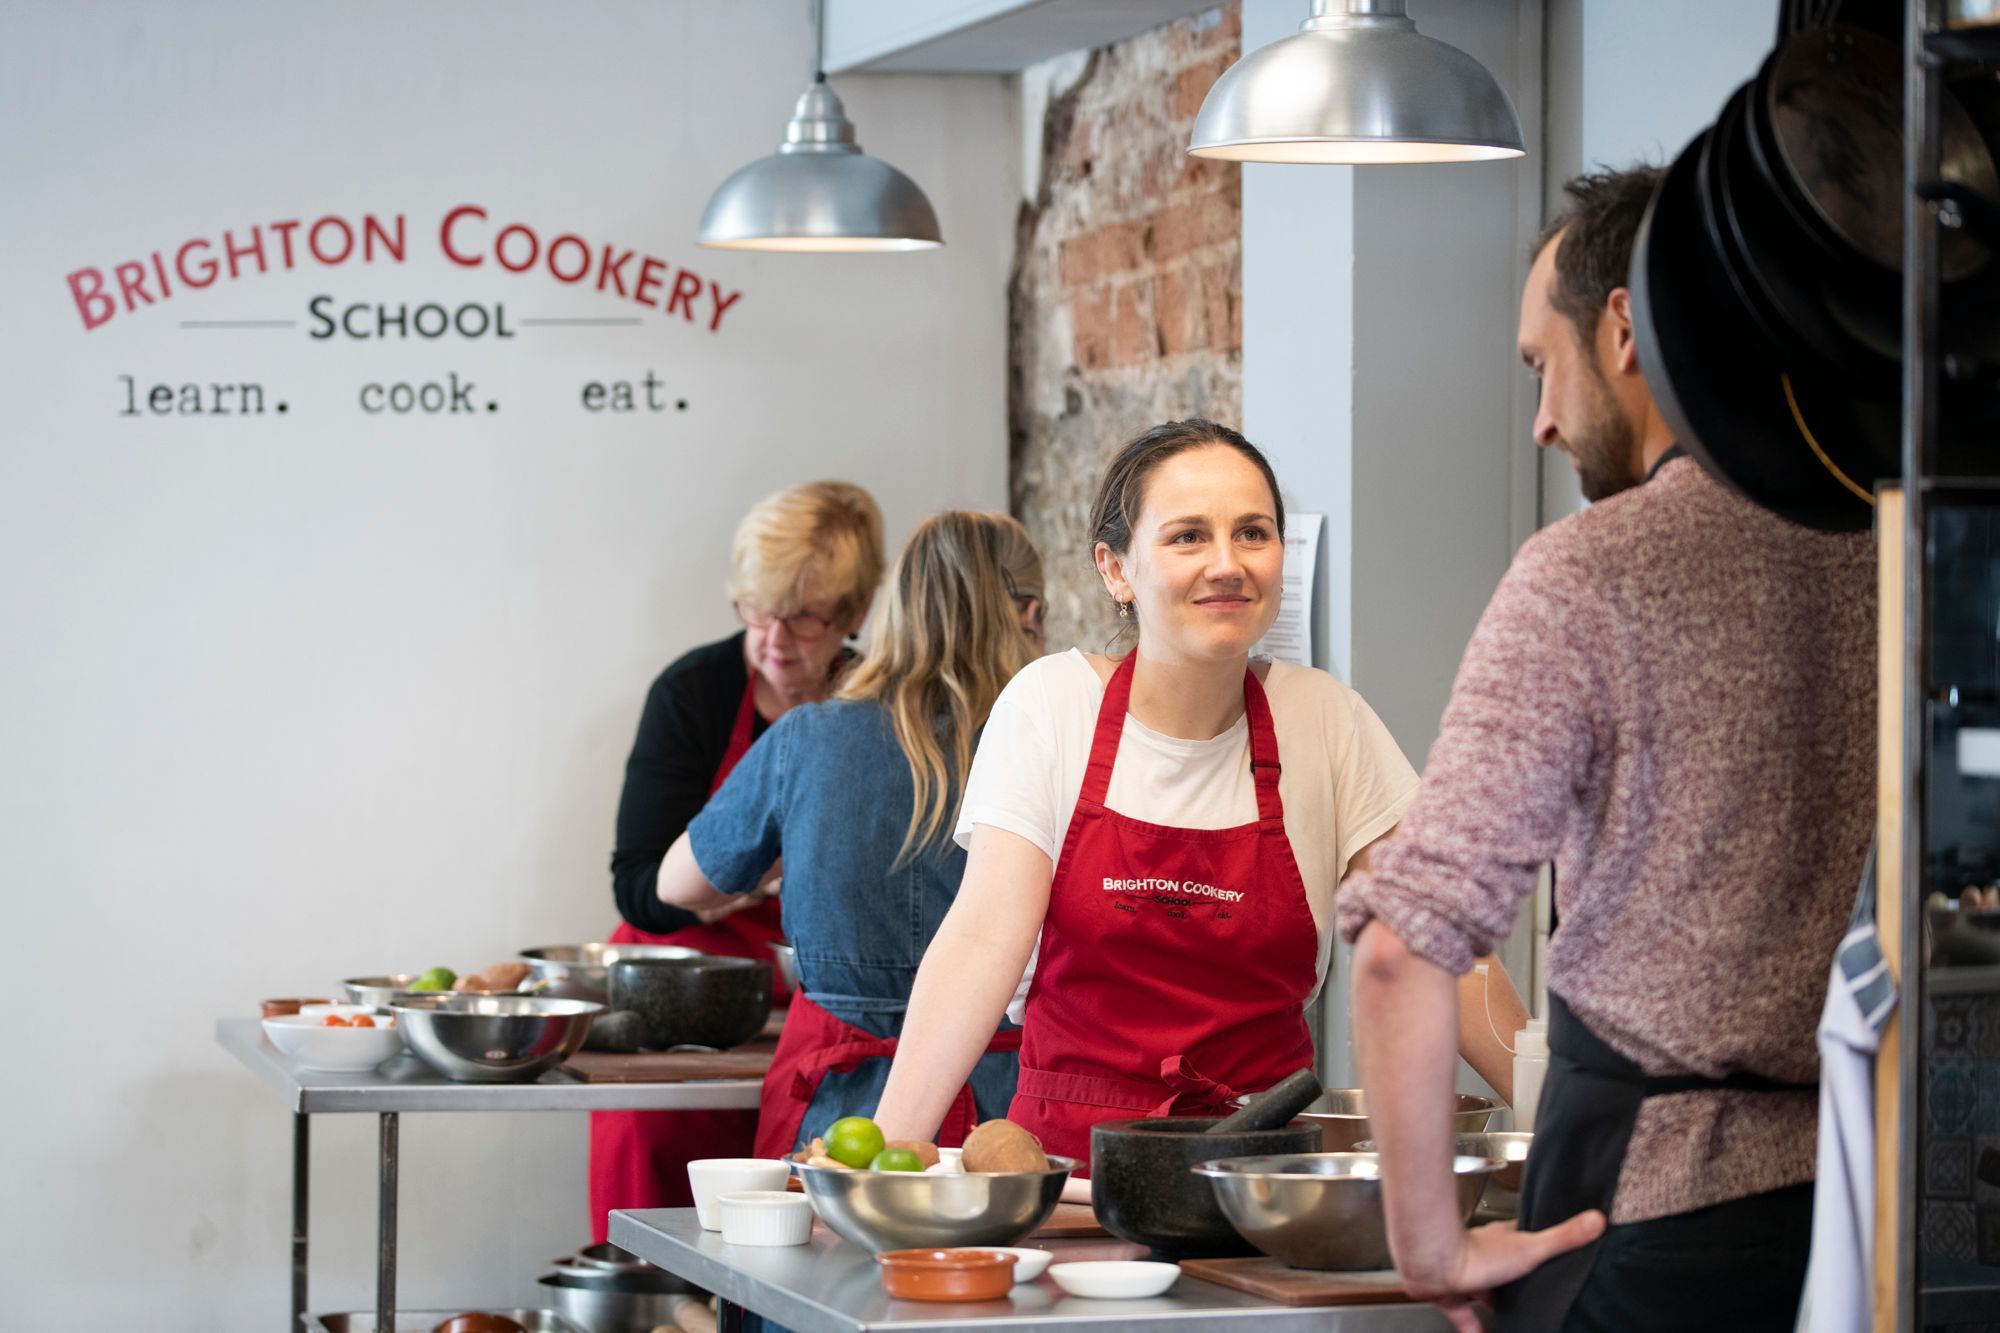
765, 1217
711, 1177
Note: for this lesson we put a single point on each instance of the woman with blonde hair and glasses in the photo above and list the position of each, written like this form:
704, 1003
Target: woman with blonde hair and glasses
804, 568
871, 865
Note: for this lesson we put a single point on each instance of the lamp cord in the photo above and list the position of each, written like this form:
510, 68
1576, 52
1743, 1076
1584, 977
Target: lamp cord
1799, 420
819, 41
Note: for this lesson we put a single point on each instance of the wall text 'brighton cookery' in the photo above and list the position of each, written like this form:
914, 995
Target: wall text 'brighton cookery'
1181, 886
466, 237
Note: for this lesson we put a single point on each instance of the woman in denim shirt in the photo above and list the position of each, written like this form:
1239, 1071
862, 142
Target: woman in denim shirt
858, 797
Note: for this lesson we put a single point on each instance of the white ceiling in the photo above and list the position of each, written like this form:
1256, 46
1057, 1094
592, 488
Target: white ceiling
981, 36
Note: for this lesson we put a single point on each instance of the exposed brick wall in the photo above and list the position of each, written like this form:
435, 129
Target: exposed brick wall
1127, 298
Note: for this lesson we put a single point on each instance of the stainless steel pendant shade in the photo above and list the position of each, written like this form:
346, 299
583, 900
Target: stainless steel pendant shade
819, 192
1357, 84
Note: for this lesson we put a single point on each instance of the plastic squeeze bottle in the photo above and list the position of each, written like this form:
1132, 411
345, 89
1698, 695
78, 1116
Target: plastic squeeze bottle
1531, 1062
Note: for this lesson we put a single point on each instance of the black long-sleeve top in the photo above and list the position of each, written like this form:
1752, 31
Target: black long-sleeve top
683, 733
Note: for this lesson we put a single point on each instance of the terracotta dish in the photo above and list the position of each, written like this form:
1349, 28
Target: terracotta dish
286, 1008
946, 1275
480, 1322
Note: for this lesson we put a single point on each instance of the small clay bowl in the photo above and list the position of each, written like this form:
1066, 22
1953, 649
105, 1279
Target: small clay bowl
477, 1321
286, 1008
946, 1275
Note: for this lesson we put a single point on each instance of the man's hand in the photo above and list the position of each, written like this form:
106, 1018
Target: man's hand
1492, 1256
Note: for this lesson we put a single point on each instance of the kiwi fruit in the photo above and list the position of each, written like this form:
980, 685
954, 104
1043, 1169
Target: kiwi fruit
1002, 1146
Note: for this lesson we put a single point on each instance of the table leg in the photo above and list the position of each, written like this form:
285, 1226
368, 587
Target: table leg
301, 1179
385, 1252
728, 1316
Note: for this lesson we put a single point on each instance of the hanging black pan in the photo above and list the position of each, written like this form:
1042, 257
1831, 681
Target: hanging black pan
1790, 438
1825, 132
1771, 271
1825, 129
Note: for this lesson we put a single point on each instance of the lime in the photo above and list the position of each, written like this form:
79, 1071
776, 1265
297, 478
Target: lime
896, 1159
437, 978
853, 1141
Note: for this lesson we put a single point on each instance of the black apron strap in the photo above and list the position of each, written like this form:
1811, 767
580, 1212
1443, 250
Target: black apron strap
1590, 1101
1583, 1125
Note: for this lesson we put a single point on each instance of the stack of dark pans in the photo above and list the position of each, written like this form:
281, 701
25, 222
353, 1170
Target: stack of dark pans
1767, 282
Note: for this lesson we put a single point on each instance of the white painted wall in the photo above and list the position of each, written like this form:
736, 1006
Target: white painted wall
294, 698
1629, 82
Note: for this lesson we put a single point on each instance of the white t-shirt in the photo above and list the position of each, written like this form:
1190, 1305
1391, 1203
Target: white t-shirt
1344, 781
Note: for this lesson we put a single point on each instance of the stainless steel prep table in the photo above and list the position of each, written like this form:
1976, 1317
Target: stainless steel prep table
831, 1286
407, 1084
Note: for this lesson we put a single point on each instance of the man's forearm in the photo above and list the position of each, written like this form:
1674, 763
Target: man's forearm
1405, 1019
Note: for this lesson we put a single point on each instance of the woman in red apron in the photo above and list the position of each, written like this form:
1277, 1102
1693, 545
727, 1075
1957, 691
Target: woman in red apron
1178, 938
871, 866
805, 564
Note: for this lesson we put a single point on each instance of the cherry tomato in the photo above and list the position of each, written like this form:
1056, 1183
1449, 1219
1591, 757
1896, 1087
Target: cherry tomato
362, 1021
334, 1021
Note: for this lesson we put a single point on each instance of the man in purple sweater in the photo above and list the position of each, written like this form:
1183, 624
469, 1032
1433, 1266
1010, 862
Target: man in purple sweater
1671, 697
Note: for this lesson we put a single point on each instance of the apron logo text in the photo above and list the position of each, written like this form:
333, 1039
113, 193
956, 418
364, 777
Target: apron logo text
1112, 885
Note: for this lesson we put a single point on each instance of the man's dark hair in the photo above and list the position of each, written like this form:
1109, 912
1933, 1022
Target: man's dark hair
1597, 229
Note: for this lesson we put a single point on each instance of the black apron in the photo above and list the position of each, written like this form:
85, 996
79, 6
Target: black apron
1583, 1124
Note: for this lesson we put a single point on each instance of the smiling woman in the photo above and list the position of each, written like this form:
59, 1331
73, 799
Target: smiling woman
1154, 840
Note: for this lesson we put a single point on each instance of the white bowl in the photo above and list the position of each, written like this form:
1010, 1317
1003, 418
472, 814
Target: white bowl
712, 1177
765, 1217
310, 1044
1115, 1279
1028, 1264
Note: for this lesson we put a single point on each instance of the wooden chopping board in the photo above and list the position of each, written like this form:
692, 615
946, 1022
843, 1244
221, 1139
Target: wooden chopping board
1069, 1221
751, 1061
1272, 1280
748, 1061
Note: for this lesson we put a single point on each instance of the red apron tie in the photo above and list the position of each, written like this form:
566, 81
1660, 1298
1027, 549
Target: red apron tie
1191, 1084
814, 1044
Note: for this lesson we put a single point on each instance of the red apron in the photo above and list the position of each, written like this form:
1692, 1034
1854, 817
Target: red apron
1175, 963
815, 1044
638, 1159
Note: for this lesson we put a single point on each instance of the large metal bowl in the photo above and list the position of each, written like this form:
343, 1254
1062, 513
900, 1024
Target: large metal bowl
1502, 1199
1342, 1115
609, 1309
788, 963
1322, 1210
583, 971
381, 992
493, 1038
910, 1210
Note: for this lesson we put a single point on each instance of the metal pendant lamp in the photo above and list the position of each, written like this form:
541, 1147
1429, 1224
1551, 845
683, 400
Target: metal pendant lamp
1357, 84
819, 192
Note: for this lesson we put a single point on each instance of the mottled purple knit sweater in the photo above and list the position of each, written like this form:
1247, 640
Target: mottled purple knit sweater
1671, 696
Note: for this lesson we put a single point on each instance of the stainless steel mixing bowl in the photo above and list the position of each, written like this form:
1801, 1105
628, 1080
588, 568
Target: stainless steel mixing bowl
908, 1210
1342, 1115
1502, 1199
605, 1309
1322, 1210
583, 971
381, 992
493, 1038
788, 963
